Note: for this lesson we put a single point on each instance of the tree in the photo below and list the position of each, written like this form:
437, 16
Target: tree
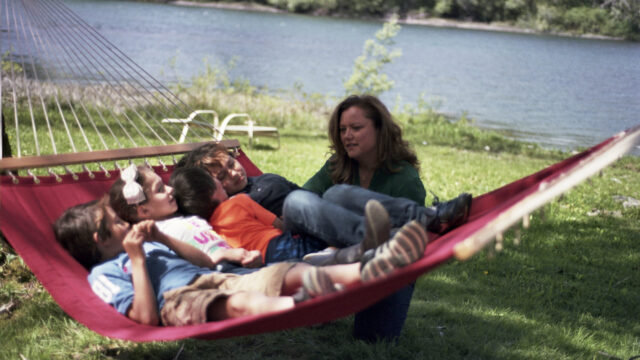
367, 76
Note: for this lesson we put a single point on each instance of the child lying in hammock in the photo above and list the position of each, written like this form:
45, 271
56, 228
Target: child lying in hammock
159, 205
156, 279
336, 216
244, 223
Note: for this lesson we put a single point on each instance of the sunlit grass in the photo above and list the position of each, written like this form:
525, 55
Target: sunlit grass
568, 290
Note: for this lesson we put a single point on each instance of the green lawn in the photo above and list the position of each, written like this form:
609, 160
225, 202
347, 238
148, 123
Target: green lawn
569, 290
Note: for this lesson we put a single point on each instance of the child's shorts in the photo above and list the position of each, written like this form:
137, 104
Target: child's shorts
188, 305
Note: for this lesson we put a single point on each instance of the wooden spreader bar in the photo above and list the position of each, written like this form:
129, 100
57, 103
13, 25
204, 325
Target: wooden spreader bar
32, 162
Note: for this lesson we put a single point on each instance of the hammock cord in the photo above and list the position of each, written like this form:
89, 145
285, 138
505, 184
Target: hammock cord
52, 48
26, 86
43, 50
130, 70
77, 41
88, 114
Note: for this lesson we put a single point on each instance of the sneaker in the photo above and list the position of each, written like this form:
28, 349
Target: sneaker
320, 258
406, 247
317, 282
377, 229
377, 225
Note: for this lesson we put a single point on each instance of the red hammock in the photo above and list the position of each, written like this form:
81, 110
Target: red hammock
27, 211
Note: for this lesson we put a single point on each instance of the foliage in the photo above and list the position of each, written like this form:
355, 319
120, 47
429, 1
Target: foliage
367, 76
618, 18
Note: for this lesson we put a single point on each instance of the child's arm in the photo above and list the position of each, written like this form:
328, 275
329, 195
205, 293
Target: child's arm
184, 250
144, 308
249, 259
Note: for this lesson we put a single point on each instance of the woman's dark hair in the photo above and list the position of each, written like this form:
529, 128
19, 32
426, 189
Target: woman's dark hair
193, 189
390, 147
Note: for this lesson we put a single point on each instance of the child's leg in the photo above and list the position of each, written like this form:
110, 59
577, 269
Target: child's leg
246, 303
345, 274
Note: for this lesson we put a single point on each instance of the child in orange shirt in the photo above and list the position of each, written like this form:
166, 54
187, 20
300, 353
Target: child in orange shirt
244, 223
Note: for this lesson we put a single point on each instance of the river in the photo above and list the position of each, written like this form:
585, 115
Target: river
556, 91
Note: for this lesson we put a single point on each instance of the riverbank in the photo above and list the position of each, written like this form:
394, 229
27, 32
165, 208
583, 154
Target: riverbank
410, 19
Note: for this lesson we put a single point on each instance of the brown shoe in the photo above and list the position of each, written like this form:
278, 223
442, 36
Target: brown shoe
451, 214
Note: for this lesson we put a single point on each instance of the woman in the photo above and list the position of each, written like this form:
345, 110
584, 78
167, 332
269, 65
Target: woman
368, 151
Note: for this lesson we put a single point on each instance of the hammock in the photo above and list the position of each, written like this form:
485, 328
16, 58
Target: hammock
27, 209
29, 203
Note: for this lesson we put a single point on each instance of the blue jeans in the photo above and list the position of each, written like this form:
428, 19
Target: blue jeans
290, 246
338, 216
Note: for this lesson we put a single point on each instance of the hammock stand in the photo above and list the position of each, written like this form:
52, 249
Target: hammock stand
30, 203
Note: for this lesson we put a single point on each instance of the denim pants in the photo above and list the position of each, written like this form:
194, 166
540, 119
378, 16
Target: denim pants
290, 246
338, 218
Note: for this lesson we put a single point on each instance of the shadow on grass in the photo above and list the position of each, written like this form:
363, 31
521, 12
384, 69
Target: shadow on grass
569, 291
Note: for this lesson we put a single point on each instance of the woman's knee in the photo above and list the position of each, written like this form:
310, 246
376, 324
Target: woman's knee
336, 192
298, 201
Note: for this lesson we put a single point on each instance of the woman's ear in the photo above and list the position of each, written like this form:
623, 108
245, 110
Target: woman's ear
96, 237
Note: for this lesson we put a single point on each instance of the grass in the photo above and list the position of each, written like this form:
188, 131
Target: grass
568, 290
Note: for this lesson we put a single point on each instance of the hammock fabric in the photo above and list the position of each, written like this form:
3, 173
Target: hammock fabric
27, 211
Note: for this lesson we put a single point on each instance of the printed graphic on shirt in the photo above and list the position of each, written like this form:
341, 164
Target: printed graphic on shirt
194, 231
105, 289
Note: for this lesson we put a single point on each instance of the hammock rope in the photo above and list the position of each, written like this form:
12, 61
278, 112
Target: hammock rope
80, 42
101, 99
73, 56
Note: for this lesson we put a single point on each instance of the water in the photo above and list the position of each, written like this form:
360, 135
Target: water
558, 92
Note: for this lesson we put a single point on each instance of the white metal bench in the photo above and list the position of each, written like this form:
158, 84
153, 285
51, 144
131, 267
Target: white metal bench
219, 129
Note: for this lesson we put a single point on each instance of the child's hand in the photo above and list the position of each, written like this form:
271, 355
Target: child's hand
149, 228
132, 242
251, 259
240, 256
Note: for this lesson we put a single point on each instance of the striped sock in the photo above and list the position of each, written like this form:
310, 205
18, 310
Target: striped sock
404, 248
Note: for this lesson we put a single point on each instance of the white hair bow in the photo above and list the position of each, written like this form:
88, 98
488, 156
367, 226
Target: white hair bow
132, 191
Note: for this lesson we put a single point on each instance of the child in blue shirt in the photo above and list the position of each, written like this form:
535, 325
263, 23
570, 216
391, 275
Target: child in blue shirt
155, 279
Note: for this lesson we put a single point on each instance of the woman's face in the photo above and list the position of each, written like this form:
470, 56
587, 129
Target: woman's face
358, 135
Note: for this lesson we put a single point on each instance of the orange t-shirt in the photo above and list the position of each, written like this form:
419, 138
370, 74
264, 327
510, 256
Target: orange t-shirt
243, 223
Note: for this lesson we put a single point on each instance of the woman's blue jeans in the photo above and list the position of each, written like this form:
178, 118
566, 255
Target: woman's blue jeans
338, 218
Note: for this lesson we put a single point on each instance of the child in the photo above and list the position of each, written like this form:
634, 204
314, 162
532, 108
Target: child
337, 215
155, 201
268, 190
244, 223
155, 279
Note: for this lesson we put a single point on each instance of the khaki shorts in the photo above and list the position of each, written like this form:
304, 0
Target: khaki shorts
188, 305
